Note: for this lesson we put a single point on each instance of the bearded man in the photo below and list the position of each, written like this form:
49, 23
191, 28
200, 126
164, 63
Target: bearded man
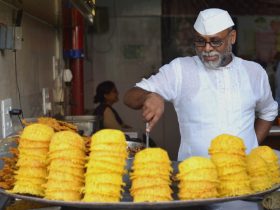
213, 93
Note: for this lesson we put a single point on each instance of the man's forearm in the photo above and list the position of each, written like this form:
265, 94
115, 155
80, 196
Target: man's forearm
262, 128
135, 97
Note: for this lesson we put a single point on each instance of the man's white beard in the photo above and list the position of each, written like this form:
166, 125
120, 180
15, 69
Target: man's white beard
218, 63
212, 64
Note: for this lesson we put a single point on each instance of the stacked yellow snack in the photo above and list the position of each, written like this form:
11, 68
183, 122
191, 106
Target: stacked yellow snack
198, 178
106, 166
66, 167
228, 154
151, 176
32, 161
271, 159
258, 170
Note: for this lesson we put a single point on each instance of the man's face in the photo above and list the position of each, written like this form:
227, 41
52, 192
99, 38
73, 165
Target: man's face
215, 50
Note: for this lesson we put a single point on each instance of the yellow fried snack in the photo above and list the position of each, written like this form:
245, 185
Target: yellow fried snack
7, 178
64, 195
105, 178
25, 171
37, 132
32, 160
106, 189
192, 172
156, 190
109, 147
61, 176
270, 157
105, 167
151, 176
65, 140
230, 170
152, 155
57, 125
148, 182
198, 195
227, 143
26, 143
224, 159
228, 154
108, 136
98, 197
107, 159
234, 188
195, 186
28, 188
258, 170
66, 167
194, 163
210, 175
58, 163
241, 175
266, 153
73, 153
150, 198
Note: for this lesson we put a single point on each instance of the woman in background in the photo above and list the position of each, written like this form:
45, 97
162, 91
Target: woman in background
106, 95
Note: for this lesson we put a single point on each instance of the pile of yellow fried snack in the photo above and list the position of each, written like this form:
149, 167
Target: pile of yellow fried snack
198, 178
263, 168
237, 173
33, 147
7, 176
57, 125
57, 166
66, 161
106, 167
151, 176
228, 154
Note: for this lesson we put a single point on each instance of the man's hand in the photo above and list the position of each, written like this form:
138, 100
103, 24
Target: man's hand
153, 108
152, 104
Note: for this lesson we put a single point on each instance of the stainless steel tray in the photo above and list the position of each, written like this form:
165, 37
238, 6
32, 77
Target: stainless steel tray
126, 202
140, 205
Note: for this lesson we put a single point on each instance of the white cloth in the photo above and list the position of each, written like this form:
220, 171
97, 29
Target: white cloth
211, 102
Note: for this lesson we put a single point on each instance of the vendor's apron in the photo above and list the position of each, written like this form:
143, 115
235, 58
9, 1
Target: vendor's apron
213, 111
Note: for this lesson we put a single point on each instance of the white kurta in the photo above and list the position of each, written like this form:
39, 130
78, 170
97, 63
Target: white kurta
212, 102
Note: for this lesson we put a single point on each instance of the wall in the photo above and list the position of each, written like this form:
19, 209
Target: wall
129, 51
26, 71
258, 37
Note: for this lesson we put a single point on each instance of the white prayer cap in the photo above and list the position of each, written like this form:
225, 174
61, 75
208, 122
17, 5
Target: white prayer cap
212, 21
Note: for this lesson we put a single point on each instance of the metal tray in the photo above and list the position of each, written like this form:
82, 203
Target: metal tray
126, 202
139, 205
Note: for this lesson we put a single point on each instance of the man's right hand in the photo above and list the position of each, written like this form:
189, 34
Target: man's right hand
153, 108
152, 104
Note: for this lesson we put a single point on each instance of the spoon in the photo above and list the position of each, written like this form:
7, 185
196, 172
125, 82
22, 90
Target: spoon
147, 135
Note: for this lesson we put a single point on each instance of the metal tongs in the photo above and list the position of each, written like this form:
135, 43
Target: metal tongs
147, 135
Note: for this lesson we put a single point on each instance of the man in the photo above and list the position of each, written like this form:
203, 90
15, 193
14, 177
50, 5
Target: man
214, 92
